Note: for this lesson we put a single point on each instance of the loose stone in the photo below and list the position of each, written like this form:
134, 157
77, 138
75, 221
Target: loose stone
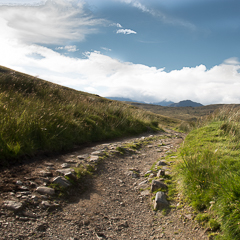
157, 184
160, 201
161, 173
64, 171
12, 205
45, 190
61, 181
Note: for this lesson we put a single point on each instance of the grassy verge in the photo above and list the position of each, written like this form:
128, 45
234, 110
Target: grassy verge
209, 172
37, 116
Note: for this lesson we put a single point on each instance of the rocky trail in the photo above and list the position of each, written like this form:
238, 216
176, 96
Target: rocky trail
115, 203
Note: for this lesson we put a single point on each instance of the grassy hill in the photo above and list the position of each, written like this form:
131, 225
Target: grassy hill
37, 116
182, 113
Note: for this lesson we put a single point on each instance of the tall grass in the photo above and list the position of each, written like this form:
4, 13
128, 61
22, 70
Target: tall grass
37, 116
210, 169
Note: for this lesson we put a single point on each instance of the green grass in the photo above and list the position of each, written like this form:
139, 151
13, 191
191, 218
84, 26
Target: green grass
209, 171
37, 116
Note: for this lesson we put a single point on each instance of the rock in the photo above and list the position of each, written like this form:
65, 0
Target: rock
97, 153
45, 190
19, 182
12, 205
61, 181
161, 163
160, 201
152, 175
157, 184
148, 172
82, 157
165, 167
142, 183
64, 171
49, 164
23, 188
45, 174
65, 165
46, 204
42, 227
32, 184
71, 176
161, 172
135, 175
145, 193
94, 158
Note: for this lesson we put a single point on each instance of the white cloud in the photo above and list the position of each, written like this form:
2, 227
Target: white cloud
51, 22
116, 25
106, 76
126, 31
70, 48
106, 49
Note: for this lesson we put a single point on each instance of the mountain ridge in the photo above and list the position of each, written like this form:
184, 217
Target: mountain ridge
164, 103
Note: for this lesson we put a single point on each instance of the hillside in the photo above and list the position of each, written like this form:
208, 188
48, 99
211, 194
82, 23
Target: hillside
182, 113
39, 117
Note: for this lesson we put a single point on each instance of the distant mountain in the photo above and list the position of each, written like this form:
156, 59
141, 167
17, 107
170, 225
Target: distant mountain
123, 99
163, 103
186, 103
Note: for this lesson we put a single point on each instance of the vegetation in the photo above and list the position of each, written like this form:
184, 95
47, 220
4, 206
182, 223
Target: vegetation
38, 117
186, 114
210, 171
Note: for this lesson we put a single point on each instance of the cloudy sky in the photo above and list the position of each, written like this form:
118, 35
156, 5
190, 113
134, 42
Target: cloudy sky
146, 50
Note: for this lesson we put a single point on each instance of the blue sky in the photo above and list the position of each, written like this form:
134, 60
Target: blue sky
147, 50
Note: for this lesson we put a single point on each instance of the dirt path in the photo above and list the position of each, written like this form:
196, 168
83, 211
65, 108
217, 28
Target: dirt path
115, 205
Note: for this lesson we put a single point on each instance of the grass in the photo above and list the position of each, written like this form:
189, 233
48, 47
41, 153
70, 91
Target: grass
37, 116
188, 115
209, 171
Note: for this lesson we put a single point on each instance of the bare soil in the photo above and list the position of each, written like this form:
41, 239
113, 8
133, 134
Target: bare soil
109, 205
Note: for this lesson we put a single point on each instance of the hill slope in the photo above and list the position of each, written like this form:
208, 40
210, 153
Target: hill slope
38, 116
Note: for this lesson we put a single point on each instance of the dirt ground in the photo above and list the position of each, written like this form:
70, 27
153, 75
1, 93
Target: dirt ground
112, 204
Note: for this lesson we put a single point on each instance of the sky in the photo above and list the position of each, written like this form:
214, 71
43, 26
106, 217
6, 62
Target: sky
146, 50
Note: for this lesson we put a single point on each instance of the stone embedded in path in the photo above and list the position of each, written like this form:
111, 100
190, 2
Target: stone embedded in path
61, 181
45, 174
71, 176
161, 163
98, 153
65, 165
157, 184
45, 190
145, 193
160, 201
64, 171
160, 173
94, 158
82, 157
12, 205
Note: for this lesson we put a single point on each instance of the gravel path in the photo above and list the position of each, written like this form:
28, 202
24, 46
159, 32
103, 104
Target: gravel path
116, 202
